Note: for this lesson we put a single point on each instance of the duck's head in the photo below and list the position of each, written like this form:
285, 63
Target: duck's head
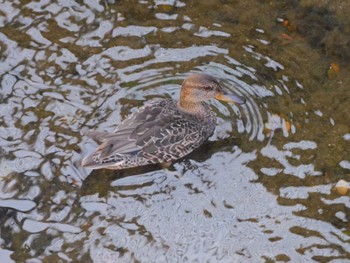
202, 87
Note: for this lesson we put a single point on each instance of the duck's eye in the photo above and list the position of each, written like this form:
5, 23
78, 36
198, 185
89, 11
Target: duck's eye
208, 88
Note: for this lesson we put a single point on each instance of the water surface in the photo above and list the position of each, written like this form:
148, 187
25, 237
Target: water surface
260, 190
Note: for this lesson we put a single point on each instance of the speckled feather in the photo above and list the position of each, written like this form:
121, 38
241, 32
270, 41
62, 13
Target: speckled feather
163, 130
158, 132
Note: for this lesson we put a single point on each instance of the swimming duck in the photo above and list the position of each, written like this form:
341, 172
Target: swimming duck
163, 130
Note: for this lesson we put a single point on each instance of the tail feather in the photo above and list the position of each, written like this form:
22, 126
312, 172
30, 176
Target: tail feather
92, 162
89, 161
98, 136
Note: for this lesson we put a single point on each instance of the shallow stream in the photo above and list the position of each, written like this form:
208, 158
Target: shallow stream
262, 189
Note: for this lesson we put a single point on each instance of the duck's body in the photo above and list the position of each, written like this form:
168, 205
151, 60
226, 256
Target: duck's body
163, 130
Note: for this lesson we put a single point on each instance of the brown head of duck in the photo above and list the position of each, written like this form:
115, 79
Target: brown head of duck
199, 88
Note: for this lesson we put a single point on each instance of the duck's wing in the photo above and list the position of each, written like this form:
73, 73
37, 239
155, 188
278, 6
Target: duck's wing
170, 134
128, 137
99, 136
157, 132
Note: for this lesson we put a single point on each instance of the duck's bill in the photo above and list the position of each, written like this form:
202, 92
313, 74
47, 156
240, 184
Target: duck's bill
231, 98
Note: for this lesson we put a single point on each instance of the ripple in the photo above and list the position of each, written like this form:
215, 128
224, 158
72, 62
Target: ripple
33, 226
261, 184
20, 205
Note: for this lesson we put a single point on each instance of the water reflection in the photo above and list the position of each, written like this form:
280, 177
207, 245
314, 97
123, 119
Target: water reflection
261, 189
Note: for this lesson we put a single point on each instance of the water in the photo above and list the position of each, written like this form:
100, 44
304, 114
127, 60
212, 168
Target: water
260, 190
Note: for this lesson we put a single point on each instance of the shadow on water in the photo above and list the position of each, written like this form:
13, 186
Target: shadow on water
262, 189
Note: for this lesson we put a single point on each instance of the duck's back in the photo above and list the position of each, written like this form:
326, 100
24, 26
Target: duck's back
158, 132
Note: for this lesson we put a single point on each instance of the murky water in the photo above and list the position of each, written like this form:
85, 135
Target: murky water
260, 190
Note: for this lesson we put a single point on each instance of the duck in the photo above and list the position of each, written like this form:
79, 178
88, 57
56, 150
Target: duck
163, 130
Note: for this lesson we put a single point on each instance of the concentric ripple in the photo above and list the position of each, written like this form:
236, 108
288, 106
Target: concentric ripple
261, 189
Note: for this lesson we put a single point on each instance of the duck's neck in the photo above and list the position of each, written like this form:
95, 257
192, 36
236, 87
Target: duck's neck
195, 108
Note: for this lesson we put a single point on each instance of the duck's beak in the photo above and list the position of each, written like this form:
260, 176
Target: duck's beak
230, 98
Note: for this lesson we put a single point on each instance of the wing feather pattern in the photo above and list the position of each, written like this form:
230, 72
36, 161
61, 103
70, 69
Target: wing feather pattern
157, 132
